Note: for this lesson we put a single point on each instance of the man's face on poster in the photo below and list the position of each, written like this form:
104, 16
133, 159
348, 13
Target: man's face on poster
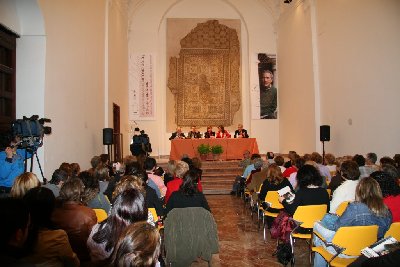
267, 79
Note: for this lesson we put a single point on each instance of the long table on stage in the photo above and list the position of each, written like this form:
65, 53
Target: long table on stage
233, 147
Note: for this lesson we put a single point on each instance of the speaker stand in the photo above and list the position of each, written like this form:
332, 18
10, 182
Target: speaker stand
323, 152
110, 153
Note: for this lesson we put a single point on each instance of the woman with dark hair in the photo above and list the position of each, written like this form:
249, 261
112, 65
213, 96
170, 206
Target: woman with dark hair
92, 197
188, 194
128, 207
390, 192
50, 247
310, 191
102, 174
347, 190
74, 217
138, 245
222, 133
368, 209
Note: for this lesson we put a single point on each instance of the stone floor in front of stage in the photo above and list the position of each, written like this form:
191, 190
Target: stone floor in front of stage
241, 242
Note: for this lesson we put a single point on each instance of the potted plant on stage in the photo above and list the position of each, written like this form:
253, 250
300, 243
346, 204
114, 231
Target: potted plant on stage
217, 150
203, 150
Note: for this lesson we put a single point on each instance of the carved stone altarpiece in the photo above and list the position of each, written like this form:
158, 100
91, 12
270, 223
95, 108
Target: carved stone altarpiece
205, 79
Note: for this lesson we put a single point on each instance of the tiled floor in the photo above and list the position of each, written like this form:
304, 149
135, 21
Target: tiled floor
241, 243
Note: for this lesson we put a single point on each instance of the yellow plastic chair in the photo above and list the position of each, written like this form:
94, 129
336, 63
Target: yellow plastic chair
256, 204
349, 240
155, 218
394, 231
329, 192
272, 199
341, 208
305, 217
100, 214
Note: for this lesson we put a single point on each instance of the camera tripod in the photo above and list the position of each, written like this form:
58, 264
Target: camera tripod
33, 150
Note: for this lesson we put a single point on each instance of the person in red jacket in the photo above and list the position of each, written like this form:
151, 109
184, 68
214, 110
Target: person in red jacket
180, 170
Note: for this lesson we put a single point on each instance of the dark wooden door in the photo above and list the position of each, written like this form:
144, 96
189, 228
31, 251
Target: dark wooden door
118, 153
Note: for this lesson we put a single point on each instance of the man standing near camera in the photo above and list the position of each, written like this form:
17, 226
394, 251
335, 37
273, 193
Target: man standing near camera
11, 165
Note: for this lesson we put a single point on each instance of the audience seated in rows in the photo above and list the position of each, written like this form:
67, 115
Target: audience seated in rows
390, 192
14, 226
181, 168
129, 207
188, 194
92, 197
368, 209
23, 183
274, 182
325, 172
299, 162
337, 179
279, 160
310, 191
57, 180
347, 190
74, 217
150, 166
48, 246
138, 245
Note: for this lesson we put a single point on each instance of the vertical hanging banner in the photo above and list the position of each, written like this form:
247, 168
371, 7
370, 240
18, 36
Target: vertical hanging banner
141, 90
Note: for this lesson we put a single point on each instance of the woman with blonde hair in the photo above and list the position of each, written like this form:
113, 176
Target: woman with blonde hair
23, 183
274, 181
368, 209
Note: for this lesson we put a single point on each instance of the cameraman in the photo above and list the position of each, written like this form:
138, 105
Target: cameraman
11, 165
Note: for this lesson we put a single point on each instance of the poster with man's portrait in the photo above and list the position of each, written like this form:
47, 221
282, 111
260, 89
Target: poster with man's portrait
264, 91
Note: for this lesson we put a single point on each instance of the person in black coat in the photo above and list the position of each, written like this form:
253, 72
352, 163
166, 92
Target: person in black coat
178, 134
194, 133
240, 132
209, 133
188, 194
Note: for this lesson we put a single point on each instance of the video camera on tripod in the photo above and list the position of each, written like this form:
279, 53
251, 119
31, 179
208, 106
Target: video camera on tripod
30, 131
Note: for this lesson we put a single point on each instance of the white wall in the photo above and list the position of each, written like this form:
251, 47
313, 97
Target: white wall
338, 63
296, 80
74, 80
257, 36
359, 48
117, 55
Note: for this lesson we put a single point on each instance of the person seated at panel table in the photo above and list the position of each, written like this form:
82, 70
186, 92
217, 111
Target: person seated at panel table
209, 133
194, 133
240, 132
222, 133
178, 134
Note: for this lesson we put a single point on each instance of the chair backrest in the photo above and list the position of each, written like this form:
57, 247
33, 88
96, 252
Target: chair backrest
259, 188
329, 192
342, 207
355, 238
100, 214
394, 231
272, 197
308, 215
154, 213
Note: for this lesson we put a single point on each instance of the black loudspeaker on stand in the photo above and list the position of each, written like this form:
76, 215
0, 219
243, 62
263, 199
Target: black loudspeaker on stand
324, 135
108, 140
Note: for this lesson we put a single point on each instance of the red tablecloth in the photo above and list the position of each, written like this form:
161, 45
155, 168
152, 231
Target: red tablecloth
233, 147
